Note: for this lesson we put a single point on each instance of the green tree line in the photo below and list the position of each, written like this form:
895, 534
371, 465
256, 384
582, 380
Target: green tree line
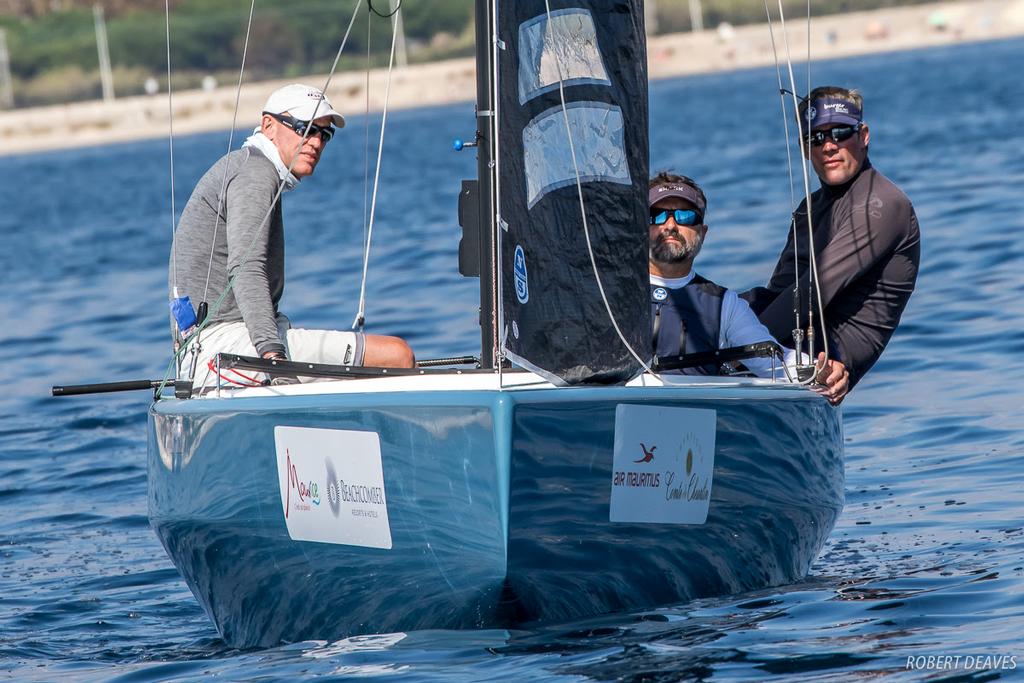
53, 56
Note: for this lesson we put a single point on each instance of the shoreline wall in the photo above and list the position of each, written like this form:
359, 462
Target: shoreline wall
726, 48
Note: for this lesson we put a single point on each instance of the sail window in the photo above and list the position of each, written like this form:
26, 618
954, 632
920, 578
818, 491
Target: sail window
566, 43
598, 139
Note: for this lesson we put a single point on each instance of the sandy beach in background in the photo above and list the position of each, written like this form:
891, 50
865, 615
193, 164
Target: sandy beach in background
722, 49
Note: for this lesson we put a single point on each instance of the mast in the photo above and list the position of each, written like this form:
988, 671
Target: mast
485, 131
106, 79
6, 93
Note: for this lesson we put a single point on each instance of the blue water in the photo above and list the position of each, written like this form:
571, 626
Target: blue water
926, 560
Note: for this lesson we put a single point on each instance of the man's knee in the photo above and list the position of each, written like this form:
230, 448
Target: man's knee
387, 352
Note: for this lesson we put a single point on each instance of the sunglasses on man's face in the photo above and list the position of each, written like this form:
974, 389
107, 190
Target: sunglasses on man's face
300, 127
838, 134
681, 216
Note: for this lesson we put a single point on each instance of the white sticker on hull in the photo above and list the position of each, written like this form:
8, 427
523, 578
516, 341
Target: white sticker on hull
332, 486
663, 464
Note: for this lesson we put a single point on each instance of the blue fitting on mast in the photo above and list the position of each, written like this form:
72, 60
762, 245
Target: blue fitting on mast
184, 315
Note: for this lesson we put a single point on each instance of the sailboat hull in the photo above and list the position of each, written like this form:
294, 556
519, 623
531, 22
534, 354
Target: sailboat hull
497, 506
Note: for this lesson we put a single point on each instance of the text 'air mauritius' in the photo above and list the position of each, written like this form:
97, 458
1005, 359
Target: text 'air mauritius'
632, 479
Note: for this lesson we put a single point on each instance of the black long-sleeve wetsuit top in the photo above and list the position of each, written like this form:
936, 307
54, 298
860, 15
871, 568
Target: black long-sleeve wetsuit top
868, 248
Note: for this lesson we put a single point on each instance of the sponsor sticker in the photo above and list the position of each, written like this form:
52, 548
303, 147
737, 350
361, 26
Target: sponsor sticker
519, 268
660, 294
663, 465
332, 486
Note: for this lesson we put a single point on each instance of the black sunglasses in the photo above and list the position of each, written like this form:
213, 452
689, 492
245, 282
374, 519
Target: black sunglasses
300, 126
838, 134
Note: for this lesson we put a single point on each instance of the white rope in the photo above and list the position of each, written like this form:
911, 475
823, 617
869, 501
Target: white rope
360, 318
583, 210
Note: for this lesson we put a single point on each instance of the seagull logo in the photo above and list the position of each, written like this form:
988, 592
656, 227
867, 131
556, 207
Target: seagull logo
648, 454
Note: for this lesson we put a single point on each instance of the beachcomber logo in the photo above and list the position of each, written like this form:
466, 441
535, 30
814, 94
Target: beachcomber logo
519, 270
660, 294
670, 482
351, 477
837, 107
812, 113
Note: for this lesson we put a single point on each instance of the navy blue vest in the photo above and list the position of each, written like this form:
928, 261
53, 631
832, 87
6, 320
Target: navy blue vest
687, 320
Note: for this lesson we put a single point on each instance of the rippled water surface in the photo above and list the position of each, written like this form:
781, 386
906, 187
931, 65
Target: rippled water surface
926, 560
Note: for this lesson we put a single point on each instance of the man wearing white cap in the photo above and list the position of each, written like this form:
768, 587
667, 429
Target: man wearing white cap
690, 313
866, 241
231, 237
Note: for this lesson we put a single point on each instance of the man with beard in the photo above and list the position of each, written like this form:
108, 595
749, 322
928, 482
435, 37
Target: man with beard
866, 242
691, 314
229, 249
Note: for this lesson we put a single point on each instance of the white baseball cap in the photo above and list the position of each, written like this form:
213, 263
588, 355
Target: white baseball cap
304, 102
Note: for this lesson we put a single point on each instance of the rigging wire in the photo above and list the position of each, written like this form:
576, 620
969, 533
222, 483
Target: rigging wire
360, 318
583, 209
804, 158
231, 136
782, 102
792, 183
170, 144
197, 345
366, 138
814, 257
498, 336
248, 251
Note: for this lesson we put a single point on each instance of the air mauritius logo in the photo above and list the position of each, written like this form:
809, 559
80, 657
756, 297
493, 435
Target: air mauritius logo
648, 454
639, 479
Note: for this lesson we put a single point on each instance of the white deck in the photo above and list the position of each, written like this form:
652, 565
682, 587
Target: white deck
476, 381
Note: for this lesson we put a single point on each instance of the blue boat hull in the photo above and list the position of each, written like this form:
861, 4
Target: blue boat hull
498, 505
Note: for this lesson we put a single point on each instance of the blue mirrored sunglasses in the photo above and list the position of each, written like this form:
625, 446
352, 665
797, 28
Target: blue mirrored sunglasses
300, 127
681, 216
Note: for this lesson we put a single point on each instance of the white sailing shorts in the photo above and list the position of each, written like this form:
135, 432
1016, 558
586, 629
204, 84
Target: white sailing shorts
333, 347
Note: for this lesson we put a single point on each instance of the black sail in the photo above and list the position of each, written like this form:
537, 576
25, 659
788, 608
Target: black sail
554, 319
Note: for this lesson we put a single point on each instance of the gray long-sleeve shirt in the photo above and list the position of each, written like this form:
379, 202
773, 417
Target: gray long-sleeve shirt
246, 243
868, 248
